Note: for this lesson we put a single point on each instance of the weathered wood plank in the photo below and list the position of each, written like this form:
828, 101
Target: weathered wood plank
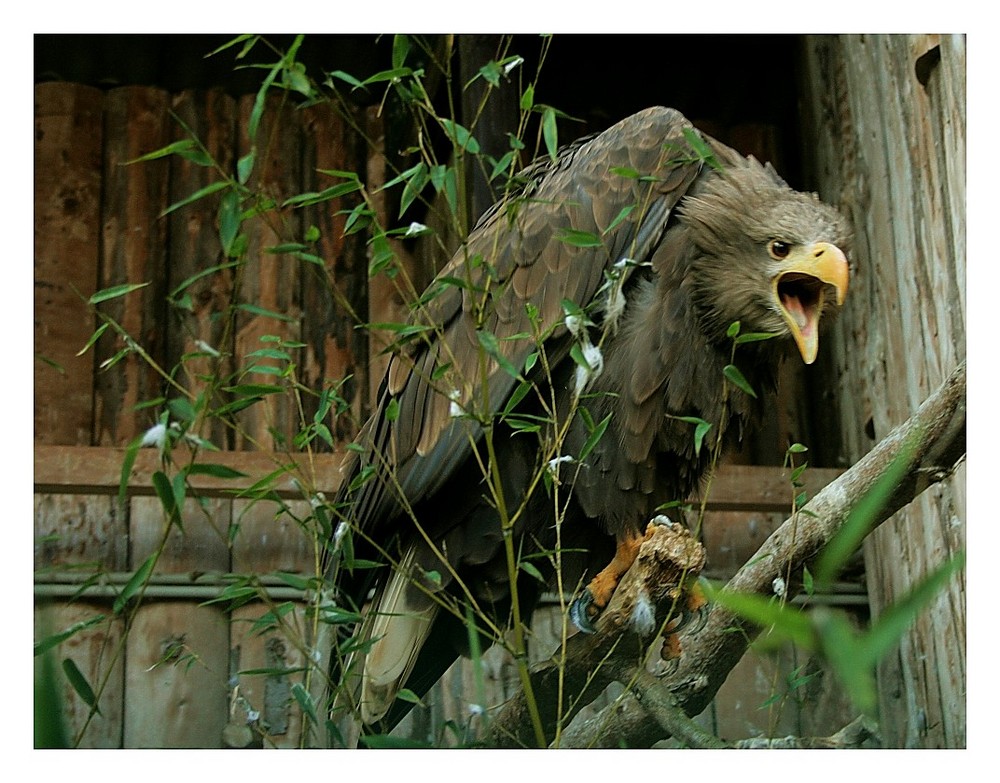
177, 678
335, 297
66, 469
199, 332
96, 652
269, 280
67, 171
886, 125
132, 251
97, 471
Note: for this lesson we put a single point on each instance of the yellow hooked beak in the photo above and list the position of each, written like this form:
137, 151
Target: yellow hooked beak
800, 291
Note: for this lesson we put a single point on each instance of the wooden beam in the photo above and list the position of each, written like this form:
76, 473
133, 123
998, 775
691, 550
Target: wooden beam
97, 471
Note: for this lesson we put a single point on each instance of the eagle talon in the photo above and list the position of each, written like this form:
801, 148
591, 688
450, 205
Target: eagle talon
584, 611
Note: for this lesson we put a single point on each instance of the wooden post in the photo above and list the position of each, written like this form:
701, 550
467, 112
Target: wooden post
67, 230
886, 127
200, 324
268, 280
335, 297
132, 251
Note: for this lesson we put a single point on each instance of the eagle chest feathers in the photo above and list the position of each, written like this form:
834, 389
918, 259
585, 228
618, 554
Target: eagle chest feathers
693, 238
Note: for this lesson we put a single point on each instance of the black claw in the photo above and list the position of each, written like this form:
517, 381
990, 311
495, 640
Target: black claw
697, 618
583, 611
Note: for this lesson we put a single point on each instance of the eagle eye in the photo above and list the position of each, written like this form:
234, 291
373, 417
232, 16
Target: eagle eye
778, 249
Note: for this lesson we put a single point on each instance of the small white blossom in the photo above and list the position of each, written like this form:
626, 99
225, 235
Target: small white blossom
476, 709
662, 519
553, 465
317, 500
615, 306
253, 716
455, 410
415, 229
155, 436
575, 324
778, 585
584, 377
204, 347
512, 65
339, 533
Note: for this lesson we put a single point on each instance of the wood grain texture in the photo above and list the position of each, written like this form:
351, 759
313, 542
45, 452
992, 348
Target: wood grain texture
133, 250
886, 124
67, 169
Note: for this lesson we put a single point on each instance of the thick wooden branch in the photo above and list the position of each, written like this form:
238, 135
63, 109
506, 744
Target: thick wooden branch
936, 435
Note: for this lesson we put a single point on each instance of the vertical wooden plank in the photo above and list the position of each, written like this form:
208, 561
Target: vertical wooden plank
274, 660
270, 281
886, 124
199, 329
387, 295
132, 251
79, 530
97, 653
270, 540
334, 298
177, 678
67, 228
201, 546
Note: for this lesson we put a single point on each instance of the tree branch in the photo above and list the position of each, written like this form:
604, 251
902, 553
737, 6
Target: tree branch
935, 435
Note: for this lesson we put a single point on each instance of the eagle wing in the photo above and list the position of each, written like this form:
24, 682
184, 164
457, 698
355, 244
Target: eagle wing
507, 283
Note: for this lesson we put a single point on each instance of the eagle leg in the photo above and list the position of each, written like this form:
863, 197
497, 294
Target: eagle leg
596, 595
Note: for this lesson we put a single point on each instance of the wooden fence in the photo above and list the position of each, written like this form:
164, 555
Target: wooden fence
178, 677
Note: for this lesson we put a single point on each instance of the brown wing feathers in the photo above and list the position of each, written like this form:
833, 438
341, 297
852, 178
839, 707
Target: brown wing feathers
530, 264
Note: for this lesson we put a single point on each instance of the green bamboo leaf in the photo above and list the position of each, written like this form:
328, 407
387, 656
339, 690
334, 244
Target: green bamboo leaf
839, 643
305, 701
572, 236
253, 309
623, 213
528, 98
532, 571
595, 437
859, 521
414, 186
93, 338
199, 275
550, 132
346, 77
894, 621
184, 145
213, 470
701, 149
460, 135
488, 342
80, 684
244, 166
114, 292
230, 220
400, 48
754, 337
135, 584
58, 638
701, 428
199, 194
784, 621
165, 491
733, 374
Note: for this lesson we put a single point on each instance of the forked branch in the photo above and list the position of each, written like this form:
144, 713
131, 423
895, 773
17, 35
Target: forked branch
934, 437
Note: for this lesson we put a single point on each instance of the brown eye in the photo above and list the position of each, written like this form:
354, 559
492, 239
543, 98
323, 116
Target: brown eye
778, 249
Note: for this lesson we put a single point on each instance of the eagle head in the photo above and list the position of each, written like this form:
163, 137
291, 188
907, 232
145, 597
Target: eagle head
763, 254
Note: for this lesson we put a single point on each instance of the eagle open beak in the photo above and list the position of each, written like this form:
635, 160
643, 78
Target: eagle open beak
799, 290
